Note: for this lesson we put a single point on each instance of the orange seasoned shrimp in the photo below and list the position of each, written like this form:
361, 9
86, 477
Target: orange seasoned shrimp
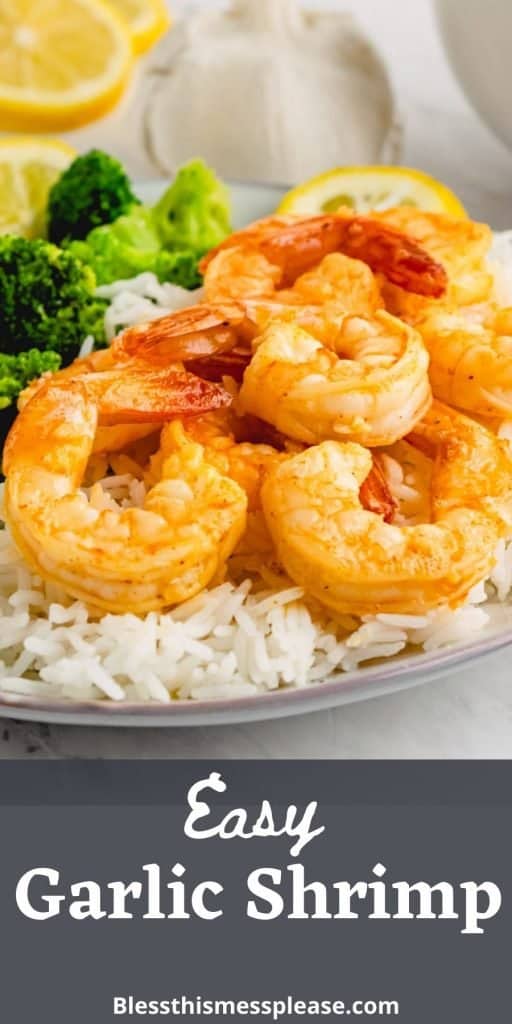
352, 561
107, 438
289, 247
131, 559
471, 358
221, 435
194, 333
240, 272
94, 363
245, 462
460, 244
360, 379
468, 337
212, 340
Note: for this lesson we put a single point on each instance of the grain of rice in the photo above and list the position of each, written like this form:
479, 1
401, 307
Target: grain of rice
87, 347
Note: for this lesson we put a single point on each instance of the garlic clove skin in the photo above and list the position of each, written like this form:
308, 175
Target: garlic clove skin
269, 91
283, 16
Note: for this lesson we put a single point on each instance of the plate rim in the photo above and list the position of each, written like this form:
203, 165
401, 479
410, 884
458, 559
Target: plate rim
388, 677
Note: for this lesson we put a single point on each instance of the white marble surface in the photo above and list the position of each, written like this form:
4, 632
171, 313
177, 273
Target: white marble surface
469, 714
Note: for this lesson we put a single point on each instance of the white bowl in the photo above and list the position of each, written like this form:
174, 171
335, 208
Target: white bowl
477, 36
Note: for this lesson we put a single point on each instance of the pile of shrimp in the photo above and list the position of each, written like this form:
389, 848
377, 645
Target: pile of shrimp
327, 350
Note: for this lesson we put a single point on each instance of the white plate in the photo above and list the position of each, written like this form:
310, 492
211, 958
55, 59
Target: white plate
251, 201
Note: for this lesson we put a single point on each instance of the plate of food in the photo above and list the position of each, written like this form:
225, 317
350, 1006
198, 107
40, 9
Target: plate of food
256, 445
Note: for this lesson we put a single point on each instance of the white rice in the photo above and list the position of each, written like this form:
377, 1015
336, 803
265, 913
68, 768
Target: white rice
142, 299
87, 347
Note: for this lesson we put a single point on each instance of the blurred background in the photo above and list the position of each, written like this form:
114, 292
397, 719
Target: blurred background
260, 96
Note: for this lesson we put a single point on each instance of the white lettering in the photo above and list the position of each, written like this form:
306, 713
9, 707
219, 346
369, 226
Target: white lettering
263, 892
90, 907
234, 824
53, 902
473, 913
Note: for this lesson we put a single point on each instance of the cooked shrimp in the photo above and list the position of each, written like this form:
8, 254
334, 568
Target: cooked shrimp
245, 462
471, 358
459, 244
201, 335
368, 382
196, 332
293, 246
107, 438
216, 432
240, 273
134, 559
352, 561
248, 464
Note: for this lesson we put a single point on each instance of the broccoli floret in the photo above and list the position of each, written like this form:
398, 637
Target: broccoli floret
120, 250
132, 246
17, 371
94, 190
46, 298
168, 239
194, 212
93, 322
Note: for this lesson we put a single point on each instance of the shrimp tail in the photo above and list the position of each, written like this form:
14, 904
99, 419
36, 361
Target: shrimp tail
384, 249
196, 332
297, 244
375, 494
158, 396
138, 394
397, 256
223, 364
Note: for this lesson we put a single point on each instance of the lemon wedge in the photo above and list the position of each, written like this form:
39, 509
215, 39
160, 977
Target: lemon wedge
147, 21
62, 63
371, 188
28, 169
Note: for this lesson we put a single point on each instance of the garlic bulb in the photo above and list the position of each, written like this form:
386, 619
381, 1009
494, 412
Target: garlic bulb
269, 91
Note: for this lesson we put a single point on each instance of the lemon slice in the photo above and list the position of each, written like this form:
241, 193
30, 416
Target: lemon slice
147, 20
62, 62
28, 169
371, 188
